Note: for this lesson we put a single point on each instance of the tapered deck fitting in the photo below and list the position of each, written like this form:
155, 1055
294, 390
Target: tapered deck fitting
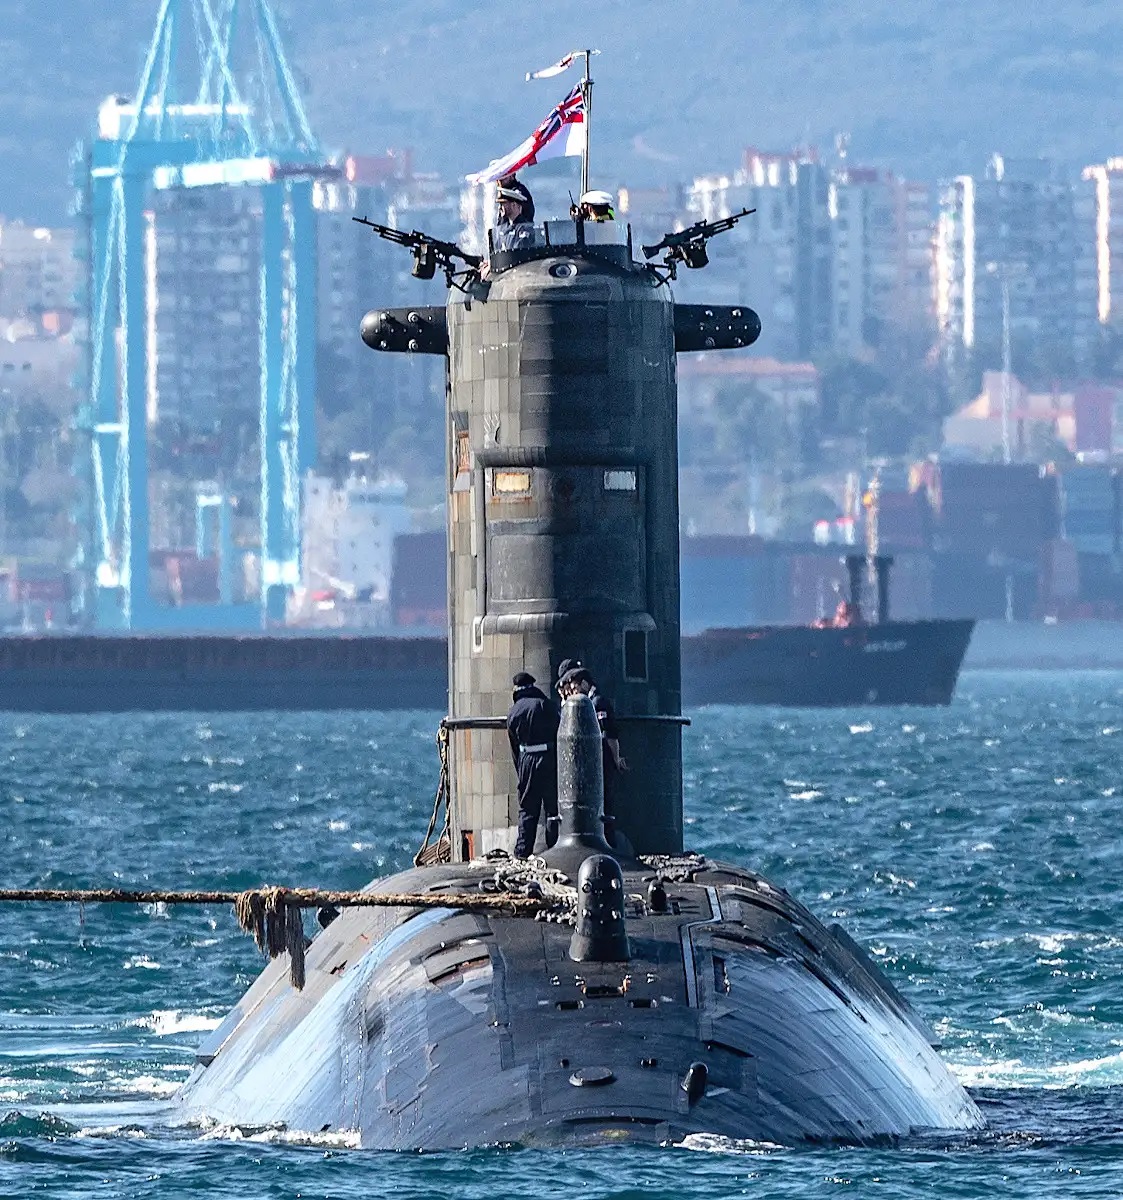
580, 788
600, 935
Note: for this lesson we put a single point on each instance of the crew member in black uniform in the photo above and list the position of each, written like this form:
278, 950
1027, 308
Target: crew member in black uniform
565, 666
532, 729
579, 680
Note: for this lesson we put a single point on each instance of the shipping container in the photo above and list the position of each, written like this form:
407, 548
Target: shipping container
903, 521
728, 582
1060, 575
910, 588
1004, 512
971, 585
191, 580
1090, 508
1101, 583
419, 580
1094, 408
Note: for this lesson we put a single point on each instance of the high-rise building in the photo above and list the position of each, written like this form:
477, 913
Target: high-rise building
348, 539
361, 403
1100, 211
38, 270
651, 212
882, 230
779, 259
353, 267
203, 263
1013, 260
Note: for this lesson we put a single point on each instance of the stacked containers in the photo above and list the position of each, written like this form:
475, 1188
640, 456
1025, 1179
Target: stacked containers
1091, 525
903, 521
990, 530
730, 581
1090, 506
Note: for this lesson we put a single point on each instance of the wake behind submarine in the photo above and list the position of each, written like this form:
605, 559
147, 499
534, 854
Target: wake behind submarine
663, 994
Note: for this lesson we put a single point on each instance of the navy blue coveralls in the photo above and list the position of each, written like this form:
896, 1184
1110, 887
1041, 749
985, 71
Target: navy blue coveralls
532, 729
609, 730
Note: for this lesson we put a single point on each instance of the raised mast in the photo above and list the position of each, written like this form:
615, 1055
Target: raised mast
587, 95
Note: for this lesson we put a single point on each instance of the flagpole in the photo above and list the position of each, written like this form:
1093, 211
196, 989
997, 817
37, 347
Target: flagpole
587, 94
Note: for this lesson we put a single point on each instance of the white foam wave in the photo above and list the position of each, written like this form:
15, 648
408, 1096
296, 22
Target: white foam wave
714, 1143
166, 1022
866, 727
1054, 942
113, 1131
347, 1139
1013, 1073
896, 881
148, 1085
810, 794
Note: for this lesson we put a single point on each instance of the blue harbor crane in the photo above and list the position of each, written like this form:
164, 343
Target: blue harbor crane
216, 107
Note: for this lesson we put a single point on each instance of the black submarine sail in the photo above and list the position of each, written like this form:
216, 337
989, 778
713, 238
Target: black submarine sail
664, 994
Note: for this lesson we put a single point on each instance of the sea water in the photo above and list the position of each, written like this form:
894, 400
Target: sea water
976, 850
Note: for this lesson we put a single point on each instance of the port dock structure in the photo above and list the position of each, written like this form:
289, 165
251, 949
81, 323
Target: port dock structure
216, 106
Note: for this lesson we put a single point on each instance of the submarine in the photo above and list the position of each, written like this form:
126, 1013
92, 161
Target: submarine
659, 993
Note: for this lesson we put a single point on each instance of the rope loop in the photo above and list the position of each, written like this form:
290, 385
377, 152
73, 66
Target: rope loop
441, 850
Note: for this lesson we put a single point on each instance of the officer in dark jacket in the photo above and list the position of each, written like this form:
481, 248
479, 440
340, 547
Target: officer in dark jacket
579, 680
532, 729
514, 230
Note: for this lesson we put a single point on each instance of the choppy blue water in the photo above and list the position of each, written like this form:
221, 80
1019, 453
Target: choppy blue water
976, 849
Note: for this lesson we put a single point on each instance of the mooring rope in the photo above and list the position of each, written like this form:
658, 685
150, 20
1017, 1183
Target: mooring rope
272, 914
441, 850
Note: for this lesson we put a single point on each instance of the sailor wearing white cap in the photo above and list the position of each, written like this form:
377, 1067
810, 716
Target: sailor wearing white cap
596, 205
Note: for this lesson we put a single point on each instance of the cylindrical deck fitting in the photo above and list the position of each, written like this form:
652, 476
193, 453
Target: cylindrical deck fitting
580, 787
600, 935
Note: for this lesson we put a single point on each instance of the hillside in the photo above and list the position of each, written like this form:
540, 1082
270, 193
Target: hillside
929, 88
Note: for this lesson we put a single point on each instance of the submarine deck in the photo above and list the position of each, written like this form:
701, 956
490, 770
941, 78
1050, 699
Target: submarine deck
737, 1013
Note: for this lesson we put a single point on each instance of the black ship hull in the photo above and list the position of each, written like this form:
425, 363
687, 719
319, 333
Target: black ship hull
897, 662
209, 673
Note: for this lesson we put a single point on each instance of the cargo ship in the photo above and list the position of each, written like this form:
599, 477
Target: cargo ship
890, 662
848, 661
211, 673
895, 662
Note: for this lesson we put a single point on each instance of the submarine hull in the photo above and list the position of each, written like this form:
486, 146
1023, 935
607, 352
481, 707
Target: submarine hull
737, 1014
661, 996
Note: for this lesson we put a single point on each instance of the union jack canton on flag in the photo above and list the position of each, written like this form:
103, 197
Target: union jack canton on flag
547, 141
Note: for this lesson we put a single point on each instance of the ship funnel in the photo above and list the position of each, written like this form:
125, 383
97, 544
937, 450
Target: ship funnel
882, 563
854, 565
580, 787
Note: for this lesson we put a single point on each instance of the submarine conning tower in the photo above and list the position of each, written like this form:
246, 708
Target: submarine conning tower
563, 534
